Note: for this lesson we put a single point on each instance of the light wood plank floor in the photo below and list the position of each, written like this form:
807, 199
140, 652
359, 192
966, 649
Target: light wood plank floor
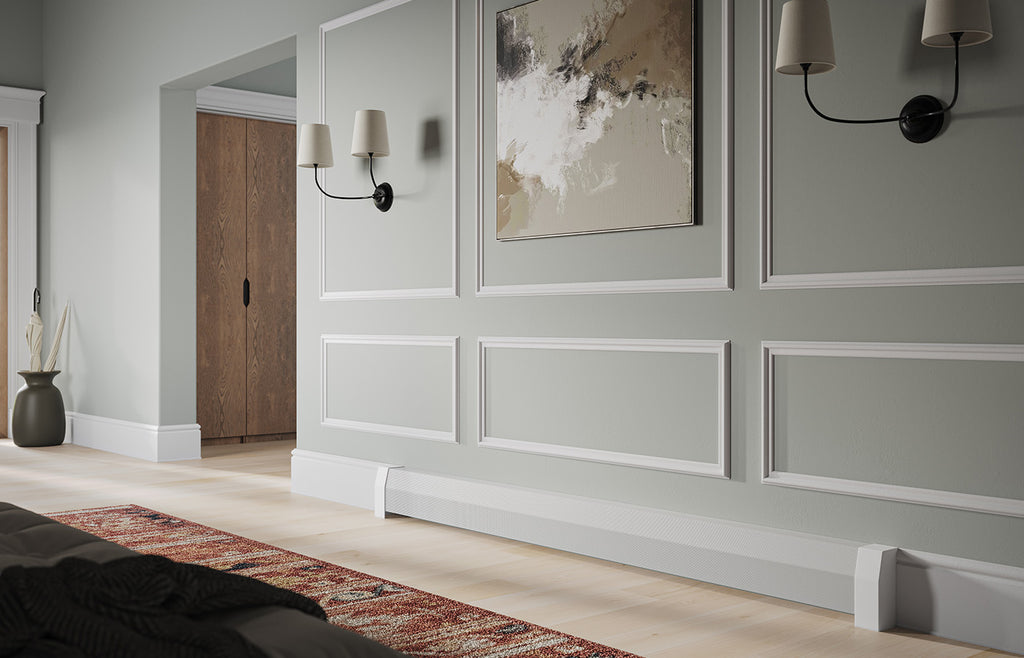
244, 489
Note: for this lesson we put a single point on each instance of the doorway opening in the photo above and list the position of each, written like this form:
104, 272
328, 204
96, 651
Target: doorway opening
245, 257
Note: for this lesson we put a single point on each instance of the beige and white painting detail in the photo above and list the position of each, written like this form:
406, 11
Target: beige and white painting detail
594, 117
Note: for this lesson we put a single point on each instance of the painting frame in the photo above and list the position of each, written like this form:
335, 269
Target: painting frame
596, 117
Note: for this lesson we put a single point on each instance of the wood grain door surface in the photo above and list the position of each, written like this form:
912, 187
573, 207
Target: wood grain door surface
245, 228
270, 249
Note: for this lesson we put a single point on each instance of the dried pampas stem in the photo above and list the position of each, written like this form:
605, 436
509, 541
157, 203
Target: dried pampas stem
51, 360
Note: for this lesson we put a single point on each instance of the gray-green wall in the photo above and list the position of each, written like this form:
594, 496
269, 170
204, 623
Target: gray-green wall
116, 227
21, 44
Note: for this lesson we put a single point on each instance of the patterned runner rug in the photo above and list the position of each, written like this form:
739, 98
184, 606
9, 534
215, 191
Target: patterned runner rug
412, 621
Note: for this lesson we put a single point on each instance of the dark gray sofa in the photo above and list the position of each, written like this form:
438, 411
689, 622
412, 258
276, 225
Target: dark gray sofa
31, 540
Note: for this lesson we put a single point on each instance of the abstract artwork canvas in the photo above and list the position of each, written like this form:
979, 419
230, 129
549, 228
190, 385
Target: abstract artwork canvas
595, 118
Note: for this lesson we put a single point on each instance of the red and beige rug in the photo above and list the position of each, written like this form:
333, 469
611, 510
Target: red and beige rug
412, 621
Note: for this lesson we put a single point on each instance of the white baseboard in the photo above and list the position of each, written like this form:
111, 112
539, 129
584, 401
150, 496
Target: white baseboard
352, 482
789, 565
965, 600
153, 443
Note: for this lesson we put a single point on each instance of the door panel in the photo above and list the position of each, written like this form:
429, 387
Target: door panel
220, 271
270, 247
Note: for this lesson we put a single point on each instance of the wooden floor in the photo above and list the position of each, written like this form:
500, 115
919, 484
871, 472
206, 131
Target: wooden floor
244, 489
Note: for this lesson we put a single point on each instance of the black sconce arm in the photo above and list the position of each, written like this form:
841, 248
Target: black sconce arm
383, 195
921, 117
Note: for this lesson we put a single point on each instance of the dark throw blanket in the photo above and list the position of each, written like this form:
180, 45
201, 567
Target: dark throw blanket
132, 607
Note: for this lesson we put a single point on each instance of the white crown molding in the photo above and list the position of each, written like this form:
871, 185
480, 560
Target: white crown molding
772, 281
441, 292
20, 105
450, 343
248, 104
153, 443
921, 496
724, 281
719, 348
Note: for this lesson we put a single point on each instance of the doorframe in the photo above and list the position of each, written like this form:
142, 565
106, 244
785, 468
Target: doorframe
20, 114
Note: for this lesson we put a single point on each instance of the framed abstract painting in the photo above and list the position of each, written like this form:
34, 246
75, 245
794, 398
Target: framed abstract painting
595, 117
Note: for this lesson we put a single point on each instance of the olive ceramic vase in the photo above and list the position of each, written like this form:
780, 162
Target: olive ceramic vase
38, 418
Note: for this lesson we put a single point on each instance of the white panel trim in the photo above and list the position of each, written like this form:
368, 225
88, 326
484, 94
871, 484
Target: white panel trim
917, 495
796, 566
345, 480
772, 281
722, 282
449, 342
443, 292
397, 293
248, 104
965, 600
155, 443
720, 348
20, 113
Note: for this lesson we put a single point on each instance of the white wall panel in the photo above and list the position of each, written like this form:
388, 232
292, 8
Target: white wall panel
396, 385
658, 404
693, 258
411, 250
934, 424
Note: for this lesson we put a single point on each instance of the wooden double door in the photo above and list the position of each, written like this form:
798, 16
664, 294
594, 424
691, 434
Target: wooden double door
245, 279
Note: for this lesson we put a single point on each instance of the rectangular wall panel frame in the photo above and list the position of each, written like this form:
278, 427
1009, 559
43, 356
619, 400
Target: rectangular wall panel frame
450, 343
719, 348
922, 496
870, 279
448, 292
724, 281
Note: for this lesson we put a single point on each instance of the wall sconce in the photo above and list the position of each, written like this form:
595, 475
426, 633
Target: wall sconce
369, 140
805, 47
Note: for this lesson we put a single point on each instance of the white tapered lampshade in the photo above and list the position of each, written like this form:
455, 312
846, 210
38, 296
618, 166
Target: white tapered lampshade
315, 145
370, 134
943, 17
805, 37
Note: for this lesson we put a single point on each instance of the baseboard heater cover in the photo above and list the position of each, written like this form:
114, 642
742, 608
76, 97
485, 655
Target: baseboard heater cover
960, 599
964, 600
799, 567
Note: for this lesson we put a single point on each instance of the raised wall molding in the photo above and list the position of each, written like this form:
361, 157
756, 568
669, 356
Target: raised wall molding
772, 281
450, 343
723, 281
153, 443
718, 348
248, 104
922, 496
447, 292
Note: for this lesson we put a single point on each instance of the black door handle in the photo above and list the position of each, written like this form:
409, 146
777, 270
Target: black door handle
245, 292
